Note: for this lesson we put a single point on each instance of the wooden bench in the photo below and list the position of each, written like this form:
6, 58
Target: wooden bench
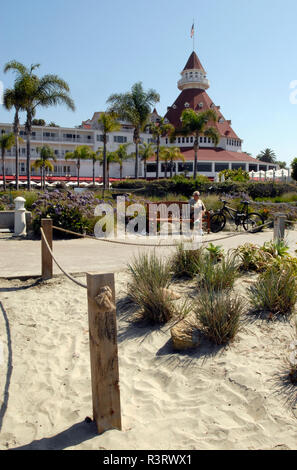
161, 214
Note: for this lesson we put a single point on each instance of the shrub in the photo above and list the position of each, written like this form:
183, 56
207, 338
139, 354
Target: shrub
185, 263
275, 290
219, 315
68, 210
150, 276
217, 276
216, 252
235, 175
276, 248
252, 258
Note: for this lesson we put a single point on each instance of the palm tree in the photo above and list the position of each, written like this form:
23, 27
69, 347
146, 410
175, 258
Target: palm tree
146, 151
49, 90
13, 98
164, 157
197, 124
111, 157
121, 156
267, 155
160, 129
174, 154
6, 143
82, 152
109, 123
43, 163
134, 107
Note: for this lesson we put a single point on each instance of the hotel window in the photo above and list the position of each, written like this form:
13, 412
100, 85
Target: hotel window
252, 167
262, 167
178, 140
120, 139
201, 139
191, 139
151, 167
204, 167
187, 140
166, 141
237, 166
221, 166
185, 166
183, 140
205, 140
100, 138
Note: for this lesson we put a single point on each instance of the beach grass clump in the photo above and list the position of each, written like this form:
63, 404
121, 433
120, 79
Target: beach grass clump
217, 276
275, 290
218, 314
148, 288
185, 263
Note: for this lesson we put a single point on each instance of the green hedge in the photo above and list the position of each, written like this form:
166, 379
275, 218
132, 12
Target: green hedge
186, 186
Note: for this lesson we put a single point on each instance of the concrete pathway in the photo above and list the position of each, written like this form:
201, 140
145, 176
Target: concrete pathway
22, 257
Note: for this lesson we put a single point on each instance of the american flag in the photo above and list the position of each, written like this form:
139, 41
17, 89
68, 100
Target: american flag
192, 30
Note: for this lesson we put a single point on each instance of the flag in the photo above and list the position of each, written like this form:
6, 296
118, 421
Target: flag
192, 30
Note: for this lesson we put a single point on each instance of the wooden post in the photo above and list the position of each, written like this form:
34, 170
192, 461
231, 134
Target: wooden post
46, 259
104, 352
279, 227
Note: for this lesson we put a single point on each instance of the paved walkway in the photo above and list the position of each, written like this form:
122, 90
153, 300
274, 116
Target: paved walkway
22, 257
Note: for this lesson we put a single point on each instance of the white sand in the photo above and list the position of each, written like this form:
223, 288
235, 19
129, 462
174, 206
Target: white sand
213, 399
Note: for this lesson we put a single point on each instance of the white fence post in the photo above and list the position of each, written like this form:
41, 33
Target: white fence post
20, 228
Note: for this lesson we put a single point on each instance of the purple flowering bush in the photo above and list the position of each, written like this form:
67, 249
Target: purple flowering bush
68, 210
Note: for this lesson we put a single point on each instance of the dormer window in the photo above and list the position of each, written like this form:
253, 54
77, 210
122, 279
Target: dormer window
200, 105
174, 106
166, 121
187, 105
221, 120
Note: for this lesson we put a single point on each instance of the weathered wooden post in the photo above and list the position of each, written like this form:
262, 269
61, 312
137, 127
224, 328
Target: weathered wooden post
46, 258
104, 352
279, 227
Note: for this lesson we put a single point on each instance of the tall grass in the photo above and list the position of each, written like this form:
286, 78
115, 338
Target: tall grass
275, 290
219, 314
185, 263
217, 276
150, 275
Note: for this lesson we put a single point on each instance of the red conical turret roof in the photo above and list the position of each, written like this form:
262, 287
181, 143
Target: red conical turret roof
193, 63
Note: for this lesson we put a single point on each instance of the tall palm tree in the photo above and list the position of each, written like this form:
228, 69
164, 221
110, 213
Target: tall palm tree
6, 143
160, 129
146, 151
121, 156
13, 98
82, 152
111, 157
197, 124
49, 90
108, 123
164, 157
134, 107
267, 155
46, 154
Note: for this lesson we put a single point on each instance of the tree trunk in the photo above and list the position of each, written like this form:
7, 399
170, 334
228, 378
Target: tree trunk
136, 141
157, 159
165, 170
171, 169
196, 146
78, 170
121, 171
3, 169
104, 163
28, 127
16, 130
145, 171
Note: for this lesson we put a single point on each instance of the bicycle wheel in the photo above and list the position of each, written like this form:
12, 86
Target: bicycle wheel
217, 222
253, 222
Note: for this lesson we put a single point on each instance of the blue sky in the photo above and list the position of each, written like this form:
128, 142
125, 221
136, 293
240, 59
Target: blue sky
249, 49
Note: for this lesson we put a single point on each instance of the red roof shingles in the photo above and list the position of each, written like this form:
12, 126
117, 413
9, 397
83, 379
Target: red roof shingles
194, 97
215, 155
194, 63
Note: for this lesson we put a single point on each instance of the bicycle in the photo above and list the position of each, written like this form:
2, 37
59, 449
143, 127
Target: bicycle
250, 221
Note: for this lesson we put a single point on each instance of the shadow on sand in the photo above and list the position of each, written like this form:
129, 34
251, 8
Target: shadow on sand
9, 367
72, 436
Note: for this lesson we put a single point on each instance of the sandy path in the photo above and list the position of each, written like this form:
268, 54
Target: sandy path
212, 399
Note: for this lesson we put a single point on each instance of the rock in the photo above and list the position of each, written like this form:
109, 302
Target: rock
185, 335
170, 294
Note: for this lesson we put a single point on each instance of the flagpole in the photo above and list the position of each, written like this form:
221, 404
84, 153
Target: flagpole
193, 35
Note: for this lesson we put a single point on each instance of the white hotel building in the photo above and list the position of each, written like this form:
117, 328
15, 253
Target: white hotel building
211, 160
